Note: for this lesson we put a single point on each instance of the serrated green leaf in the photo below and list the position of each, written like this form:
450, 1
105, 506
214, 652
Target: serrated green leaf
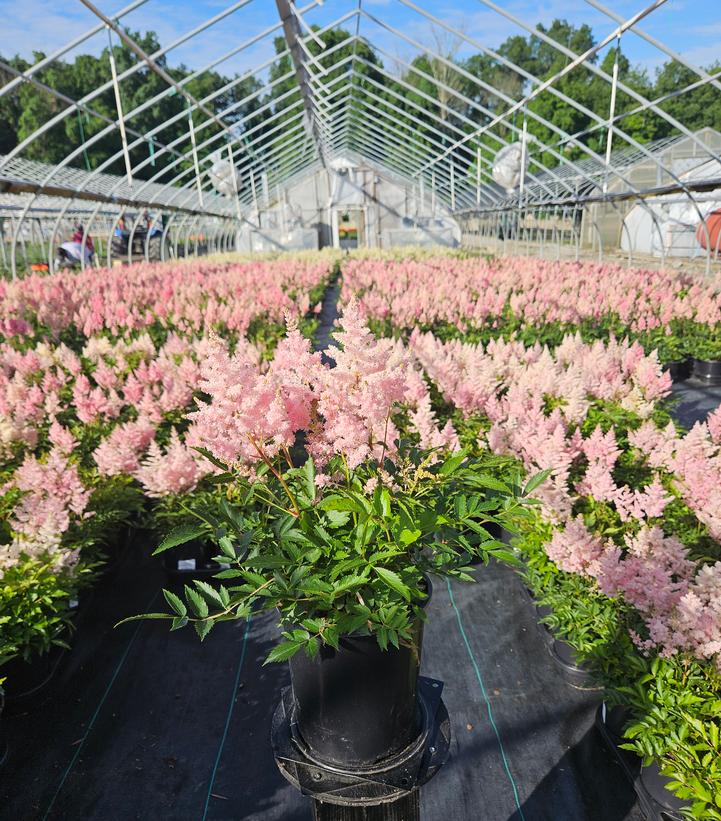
227, 574
452, 463
283, 651
506, 556
253, 578
208, 592
337, 518
202, 628
336, 502
196, 601
175, 603
209, 456
348, 583
535, 481
490, 482
226, 546
308, 474
385, 503
408, 537
393, 580
143, 617
180, 535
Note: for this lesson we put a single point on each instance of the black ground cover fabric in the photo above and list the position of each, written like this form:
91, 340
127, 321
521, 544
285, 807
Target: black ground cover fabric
140, 723
694, 401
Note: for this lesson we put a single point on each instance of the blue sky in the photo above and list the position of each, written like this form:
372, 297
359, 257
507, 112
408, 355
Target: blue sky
49, 24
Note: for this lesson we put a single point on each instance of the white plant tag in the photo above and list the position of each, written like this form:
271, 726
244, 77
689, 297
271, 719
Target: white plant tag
186, 564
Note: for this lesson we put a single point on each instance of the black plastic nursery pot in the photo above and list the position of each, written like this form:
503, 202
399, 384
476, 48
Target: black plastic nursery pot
26, 681
563, 654
656, 802
571, 667
358, 705
679, 370
3, 740
542, 611
117, 547
192, 560
707, 370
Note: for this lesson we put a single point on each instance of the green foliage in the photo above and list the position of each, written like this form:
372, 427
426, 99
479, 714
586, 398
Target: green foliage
674, 703
35, 608
671, 347
348, 559
704, 341
676, 706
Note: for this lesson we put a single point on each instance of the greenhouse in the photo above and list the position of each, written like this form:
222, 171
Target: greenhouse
360, 410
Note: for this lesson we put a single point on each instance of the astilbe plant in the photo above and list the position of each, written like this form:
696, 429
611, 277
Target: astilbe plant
342, 543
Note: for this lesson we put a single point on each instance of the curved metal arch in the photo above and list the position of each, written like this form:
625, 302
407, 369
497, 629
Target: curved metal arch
85, 144
628, 25
99, 90
583, 59
509, 100
501, 95
461, 116
278, 114
119, 154
547, 85
545, 147
355, 112
223, 112
58, 53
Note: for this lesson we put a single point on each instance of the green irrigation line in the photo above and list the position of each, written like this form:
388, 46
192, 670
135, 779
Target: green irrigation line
229, 716
479, 677
95, 715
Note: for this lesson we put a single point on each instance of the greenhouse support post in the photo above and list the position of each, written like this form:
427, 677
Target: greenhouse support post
119, 106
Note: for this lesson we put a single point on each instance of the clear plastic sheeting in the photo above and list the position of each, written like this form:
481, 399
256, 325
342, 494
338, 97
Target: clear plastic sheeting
348, 186
264, 240
507, 167
224, 178
428, 232
671, 225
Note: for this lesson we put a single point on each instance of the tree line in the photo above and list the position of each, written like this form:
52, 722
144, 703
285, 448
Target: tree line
429, 103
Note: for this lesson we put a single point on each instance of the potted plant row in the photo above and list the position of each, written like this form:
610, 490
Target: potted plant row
43, 601
39, 602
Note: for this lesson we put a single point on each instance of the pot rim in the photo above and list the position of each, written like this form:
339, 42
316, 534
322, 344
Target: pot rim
373, 769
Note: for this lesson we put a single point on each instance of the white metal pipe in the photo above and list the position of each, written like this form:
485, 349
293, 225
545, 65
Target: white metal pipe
119, 107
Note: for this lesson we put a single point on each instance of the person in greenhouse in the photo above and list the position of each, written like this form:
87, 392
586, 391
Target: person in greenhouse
78, 237
71, 253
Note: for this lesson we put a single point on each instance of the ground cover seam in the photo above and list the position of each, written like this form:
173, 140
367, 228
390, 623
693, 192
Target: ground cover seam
479, 677
228, 718
94, 717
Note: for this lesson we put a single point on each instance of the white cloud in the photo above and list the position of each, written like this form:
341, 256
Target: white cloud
703, 55
40, 25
